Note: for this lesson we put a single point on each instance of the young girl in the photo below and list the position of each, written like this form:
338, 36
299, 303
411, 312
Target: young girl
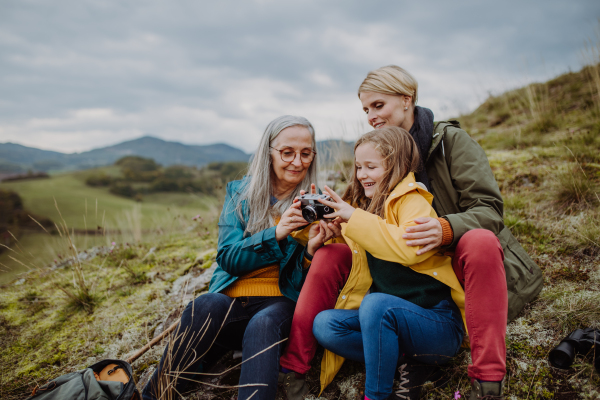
416, 305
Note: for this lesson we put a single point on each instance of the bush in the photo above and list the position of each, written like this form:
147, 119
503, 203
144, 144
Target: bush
98, 180
122, 189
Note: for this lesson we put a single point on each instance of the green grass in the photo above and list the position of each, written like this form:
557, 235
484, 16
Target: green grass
121, 220
85, 207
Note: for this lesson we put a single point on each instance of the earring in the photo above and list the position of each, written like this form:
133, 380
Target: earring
405, 108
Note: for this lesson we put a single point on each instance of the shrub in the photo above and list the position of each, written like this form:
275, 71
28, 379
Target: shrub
98, 180
122, 189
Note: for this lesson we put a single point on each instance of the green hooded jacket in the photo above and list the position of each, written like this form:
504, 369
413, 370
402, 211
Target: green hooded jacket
467, 195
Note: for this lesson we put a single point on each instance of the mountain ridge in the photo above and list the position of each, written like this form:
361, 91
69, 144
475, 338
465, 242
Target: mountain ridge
18, 158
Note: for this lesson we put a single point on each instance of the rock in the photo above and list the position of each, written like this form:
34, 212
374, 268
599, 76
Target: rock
186, 286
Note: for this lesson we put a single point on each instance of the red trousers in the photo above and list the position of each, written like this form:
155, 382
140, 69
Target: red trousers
478, 264
328, 273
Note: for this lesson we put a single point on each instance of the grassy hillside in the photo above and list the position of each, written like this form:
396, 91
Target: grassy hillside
84, 208
544, 148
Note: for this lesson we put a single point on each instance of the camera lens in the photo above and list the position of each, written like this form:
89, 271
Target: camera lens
309, 213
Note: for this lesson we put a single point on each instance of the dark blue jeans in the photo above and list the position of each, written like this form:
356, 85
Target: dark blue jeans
252, 325
385, 327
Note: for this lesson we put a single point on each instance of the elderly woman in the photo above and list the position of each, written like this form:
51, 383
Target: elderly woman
260, 270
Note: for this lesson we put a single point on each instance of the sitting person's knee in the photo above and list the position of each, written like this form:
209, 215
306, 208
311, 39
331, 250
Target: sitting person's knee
478, 240
332, 260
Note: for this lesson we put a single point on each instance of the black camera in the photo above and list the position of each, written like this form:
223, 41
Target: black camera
312, 209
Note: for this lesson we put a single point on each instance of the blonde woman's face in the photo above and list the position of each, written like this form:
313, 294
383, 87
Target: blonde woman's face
386, 110
370, 168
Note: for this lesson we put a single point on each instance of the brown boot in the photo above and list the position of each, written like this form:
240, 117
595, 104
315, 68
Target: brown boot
487, 390
295, 388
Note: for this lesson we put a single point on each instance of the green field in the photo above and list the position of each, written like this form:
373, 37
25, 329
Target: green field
66, 196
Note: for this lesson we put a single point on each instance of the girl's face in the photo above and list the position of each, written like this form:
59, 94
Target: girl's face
370, 168
387, 110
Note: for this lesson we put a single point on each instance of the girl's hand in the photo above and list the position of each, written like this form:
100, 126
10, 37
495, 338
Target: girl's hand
317, 236
291, 220
342, 209
313, 190
427, 232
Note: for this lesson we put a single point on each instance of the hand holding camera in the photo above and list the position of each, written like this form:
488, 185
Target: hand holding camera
342, 210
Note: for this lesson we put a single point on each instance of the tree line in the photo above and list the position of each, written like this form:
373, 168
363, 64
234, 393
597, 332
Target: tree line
141, 176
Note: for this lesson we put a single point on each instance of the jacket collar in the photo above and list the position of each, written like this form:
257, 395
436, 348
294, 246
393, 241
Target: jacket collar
407, 185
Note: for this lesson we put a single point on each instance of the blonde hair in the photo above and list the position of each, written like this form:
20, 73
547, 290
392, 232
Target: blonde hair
392, 80
400, 157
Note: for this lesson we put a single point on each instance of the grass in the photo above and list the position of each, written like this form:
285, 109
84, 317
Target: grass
111, 218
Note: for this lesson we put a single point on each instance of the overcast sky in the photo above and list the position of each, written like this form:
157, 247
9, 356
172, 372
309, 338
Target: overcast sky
82, 74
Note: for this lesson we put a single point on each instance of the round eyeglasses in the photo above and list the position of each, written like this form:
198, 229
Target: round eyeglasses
288, 155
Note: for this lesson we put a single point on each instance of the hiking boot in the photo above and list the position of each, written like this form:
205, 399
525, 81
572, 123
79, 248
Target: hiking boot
411, 377
487, 390
295, 388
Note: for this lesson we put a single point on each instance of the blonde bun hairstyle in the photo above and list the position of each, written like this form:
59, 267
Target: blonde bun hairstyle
392, 80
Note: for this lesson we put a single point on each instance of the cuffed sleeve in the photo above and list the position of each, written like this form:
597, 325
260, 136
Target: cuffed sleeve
447, 234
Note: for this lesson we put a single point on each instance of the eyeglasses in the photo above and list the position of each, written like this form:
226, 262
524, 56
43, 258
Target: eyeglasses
288, 155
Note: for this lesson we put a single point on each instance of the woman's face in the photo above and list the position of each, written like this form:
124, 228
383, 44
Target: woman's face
370, 168
386, 109
294, 138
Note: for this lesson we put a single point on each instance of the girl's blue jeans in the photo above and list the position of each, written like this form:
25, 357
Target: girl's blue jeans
384, 328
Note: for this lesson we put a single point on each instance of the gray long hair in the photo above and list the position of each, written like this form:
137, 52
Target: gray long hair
258, 191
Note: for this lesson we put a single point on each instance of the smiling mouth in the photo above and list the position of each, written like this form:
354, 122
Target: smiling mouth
368, 184
378, 125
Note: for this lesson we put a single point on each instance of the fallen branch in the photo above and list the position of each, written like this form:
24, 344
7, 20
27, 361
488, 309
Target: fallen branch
152, 343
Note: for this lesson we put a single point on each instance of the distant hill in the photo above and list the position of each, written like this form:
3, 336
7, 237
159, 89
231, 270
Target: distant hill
17, 158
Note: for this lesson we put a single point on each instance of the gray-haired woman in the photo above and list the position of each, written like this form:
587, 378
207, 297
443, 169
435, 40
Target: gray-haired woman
260, 270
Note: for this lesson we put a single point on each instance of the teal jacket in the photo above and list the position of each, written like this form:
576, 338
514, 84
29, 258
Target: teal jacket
239, 253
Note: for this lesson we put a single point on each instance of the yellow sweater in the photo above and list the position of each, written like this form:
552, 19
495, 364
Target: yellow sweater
262, 282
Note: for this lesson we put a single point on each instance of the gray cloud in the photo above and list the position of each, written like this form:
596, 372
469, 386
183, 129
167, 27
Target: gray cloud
81, 74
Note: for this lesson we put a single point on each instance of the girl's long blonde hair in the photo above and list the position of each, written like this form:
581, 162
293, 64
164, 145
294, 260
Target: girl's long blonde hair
400, 157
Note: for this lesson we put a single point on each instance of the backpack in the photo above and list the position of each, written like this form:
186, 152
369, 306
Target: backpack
105, 380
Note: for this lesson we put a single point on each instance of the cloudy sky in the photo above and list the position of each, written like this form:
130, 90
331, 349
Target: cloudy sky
81, 74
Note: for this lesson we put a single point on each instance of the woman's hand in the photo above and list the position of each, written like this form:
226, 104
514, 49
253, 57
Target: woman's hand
291, 220
427, 232
343, 210
317, 236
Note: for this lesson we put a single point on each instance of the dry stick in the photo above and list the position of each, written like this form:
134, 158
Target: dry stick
5, 246
34, 220
151, 344
531, 384
218, 386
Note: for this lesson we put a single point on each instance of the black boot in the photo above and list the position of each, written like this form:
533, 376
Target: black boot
411, 377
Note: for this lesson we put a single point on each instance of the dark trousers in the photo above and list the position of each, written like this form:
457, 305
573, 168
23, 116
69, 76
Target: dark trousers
252, 324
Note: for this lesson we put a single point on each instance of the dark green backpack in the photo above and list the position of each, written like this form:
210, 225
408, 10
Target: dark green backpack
83, 385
